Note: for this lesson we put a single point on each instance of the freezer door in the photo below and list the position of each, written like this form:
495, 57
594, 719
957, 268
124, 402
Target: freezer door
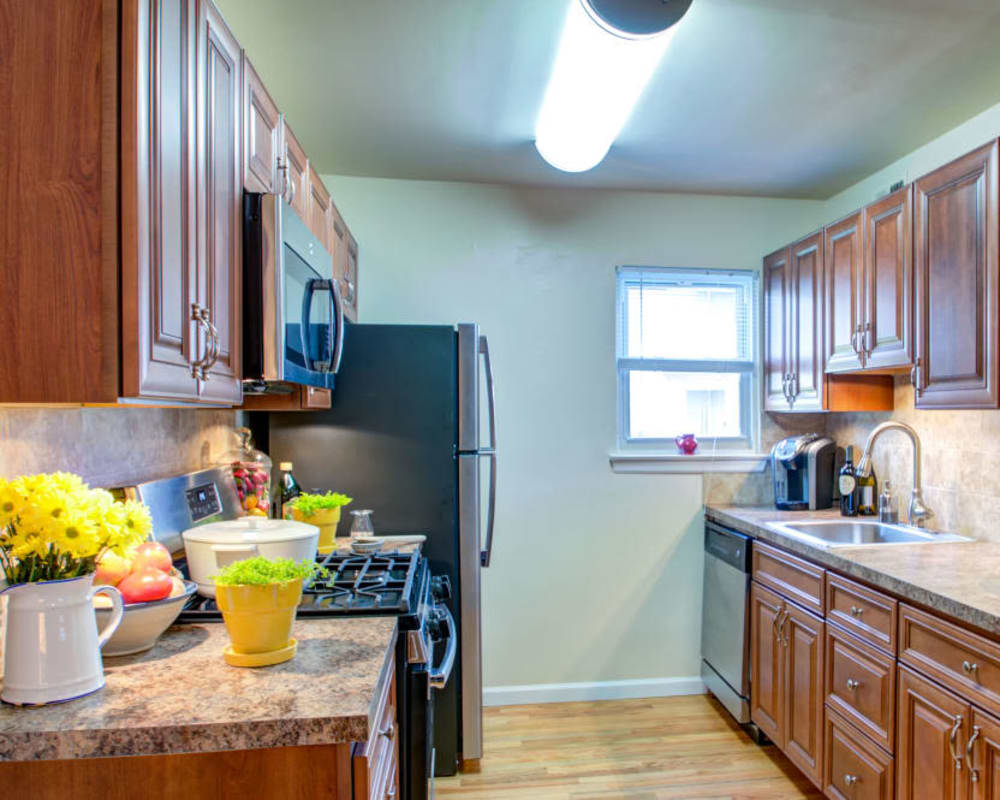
470, 554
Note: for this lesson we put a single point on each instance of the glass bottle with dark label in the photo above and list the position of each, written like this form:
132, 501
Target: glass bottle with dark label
848, 485
288, 489
867, 492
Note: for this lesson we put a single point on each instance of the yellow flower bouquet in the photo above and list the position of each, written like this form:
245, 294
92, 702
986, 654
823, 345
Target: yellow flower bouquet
54, 527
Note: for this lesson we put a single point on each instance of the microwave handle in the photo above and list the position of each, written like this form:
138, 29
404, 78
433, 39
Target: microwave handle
337, 306
307, 301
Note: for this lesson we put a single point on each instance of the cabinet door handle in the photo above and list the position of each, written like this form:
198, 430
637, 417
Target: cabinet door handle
388, 731
857, 611
969, 668
850, 779
970, 755
854, 340
199, 315
915, 376
853, 684
869, 342
953, 741
781, 629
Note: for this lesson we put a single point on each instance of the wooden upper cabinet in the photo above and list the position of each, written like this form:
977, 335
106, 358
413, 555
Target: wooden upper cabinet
318, 212
220, 262
806, 330
955, 253
843, 294
294, 170
887, 335
262, 139
159, 220
776, 316
350, 278
932, 730
803, 641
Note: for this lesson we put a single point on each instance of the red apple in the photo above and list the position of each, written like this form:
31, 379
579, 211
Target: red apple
144, 587
151, 555
111, 569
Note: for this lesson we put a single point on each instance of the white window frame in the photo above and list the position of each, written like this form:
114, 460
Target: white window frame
732, 450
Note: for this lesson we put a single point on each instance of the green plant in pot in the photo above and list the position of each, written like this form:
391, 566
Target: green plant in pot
258, 598
323, 511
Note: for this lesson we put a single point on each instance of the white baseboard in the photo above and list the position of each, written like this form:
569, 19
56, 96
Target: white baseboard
591, 690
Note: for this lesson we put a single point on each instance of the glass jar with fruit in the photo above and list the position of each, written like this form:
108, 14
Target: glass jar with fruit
251, 474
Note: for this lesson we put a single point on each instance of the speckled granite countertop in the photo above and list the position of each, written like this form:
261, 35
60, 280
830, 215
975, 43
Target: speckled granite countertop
958, 579
181, 697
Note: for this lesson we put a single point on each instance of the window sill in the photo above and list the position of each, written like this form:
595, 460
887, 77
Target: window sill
640, 462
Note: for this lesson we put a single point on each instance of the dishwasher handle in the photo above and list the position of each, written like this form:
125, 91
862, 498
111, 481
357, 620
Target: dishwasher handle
729, 546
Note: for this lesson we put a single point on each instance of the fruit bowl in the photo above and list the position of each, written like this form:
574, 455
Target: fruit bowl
143, 623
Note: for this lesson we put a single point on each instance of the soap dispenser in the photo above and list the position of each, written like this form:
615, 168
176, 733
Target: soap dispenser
888, 505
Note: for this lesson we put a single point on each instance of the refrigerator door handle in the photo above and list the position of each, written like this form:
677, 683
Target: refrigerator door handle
484, 349
487, 554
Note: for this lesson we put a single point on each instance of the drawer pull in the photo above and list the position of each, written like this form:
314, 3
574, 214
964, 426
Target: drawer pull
970, 755
391, 792
850, 779
853, 684
968, 668
953, 739
388, 731
857, 611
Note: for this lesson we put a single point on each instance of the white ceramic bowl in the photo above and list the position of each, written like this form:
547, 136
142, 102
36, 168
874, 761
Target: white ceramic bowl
211, 547
143, 623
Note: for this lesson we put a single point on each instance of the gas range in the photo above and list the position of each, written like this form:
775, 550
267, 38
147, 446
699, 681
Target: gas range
369, 585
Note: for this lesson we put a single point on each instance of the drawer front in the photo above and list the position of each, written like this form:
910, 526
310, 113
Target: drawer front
963, 661
375, 762
790, 576
855, 769
860, 685
863, 611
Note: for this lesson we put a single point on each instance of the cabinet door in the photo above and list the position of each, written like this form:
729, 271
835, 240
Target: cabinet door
806, 337
766, 609
351, 278
932, 727
956, 224
843, 293
318, 217
802, 639
159, 220
295, 170
220, 261
983, 756
263, 134
888, 282
776, 319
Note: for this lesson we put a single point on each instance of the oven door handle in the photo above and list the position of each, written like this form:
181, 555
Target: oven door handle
438, 676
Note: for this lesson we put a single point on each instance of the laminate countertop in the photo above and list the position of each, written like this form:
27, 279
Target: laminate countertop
957, 579
182, 697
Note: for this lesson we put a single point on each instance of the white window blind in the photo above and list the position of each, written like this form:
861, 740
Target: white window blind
686, 355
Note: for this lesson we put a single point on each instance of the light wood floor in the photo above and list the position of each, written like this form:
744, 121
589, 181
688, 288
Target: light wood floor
676, 747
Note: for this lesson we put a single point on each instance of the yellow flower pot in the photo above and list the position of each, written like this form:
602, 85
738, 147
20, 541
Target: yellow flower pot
259, 621
326, 519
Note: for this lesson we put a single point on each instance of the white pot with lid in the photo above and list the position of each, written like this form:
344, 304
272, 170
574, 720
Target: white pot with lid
211, 547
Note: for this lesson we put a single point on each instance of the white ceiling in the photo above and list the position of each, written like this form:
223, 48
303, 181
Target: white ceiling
796, 98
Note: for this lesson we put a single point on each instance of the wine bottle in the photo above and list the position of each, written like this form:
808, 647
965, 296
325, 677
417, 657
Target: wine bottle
867, 492
288, 489
848, 485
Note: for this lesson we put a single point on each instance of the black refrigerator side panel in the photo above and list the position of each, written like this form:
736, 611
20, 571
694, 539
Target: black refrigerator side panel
389, 441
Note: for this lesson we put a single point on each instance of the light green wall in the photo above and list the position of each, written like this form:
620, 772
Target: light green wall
596, 576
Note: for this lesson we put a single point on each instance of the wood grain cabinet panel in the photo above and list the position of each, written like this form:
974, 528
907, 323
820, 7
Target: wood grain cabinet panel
983, 756
776, 322
959, 659
956, 283
843, 294
318, 208
861, 685
351, 277
887, 334
868, 614
294, 168
932, 726
803, 642
766, 703
795, 578
376, 762
855, 769
806, 337
263, 134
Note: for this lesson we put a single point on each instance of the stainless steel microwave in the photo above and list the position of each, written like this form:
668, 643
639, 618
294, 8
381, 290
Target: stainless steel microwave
293, 319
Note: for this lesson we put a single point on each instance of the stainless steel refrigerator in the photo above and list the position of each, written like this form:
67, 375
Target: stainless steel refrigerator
411, 434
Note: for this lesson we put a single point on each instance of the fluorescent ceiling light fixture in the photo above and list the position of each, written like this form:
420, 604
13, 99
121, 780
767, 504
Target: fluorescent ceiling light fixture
598, 77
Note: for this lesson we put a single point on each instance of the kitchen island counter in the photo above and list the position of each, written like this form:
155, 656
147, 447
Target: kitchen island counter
182, 697
957, 579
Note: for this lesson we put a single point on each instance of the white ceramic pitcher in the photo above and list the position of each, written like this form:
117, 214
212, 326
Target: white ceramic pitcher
52, 650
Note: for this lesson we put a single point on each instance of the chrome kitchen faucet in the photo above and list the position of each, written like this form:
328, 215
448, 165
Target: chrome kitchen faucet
918, 512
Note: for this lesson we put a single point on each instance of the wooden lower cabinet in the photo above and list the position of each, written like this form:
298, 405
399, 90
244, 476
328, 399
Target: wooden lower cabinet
766, 609
860, 685
854, 768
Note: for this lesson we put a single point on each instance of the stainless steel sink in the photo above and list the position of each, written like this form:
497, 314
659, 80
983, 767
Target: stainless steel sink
858, 533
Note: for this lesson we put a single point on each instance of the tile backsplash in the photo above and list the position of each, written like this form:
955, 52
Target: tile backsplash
961, 461
112, 446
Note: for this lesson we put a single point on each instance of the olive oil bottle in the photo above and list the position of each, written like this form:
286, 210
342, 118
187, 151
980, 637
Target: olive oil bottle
848, 485
867, 492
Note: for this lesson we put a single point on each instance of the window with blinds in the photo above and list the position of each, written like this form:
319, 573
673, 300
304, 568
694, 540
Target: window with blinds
686, 353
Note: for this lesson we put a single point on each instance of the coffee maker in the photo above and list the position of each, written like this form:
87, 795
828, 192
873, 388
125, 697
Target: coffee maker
804, 469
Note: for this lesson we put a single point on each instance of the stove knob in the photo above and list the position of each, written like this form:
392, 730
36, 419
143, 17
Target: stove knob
441, 587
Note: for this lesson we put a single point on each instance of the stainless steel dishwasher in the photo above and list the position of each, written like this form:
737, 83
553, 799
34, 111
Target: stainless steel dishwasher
725, 623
